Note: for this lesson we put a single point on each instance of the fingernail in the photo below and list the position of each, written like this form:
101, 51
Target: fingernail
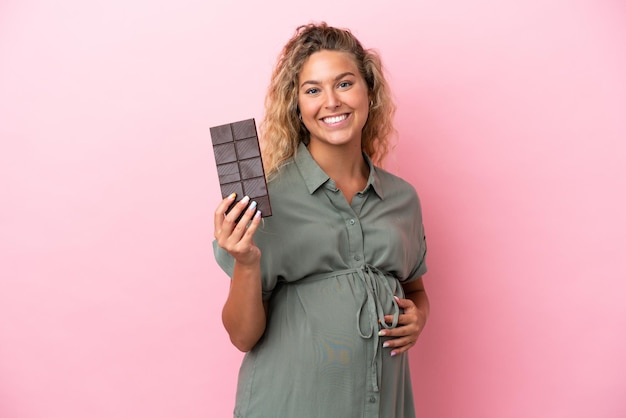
396, 298
245, 200
232, 196
393, 353
382, 333
385, 344
257, 214
252, 206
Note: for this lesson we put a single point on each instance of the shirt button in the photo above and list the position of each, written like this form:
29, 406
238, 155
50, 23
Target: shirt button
357, 257
372, 399
352, 221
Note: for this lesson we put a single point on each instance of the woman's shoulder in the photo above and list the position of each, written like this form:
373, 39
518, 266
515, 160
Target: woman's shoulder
398, 192
392, 183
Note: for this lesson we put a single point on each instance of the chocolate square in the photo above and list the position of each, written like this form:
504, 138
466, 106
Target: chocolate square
247, 148
229, 172
254, 187
239, 165
250, 169
221, 134
244, 129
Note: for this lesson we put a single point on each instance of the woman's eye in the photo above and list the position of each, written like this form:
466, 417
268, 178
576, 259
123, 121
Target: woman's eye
345, 84
312, 91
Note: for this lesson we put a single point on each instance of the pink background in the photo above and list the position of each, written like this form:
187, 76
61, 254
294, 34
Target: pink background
512, 121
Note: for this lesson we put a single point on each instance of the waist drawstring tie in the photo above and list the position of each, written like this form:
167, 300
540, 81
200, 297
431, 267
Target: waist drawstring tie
372, 278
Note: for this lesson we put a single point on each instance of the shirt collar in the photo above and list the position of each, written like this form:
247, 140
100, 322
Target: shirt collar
314, 177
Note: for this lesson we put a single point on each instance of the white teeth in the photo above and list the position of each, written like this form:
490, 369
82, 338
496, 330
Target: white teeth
335, 119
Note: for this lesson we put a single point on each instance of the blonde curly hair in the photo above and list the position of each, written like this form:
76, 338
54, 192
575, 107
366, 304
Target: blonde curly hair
281, 128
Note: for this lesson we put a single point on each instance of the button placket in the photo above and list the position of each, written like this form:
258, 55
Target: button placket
355, 234
352, 223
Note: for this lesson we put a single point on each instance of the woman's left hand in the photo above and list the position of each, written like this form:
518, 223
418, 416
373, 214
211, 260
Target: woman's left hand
411, 322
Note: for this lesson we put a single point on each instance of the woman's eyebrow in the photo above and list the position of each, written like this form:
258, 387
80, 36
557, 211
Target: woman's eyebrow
315, 82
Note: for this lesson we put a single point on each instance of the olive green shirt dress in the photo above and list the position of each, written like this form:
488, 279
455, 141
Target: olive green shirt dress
330, 271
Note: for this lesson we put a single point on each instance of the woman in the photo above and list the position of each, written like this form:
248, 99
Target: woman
326, 295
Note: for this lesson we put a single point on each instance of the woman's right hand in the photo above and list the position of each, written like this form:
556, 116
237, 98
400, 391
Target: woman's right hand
237, 237
244, 314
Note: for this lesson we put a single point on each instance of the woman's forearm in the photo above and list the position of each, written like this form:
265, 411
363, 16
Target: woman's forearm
244, 314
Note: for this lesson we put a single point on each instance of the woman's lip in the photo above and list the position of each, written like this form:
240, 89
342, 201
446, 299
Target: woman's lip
325, 118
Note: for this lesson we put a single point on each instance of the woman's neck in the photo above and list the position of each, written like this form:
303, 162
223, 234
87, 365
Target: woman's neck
345, 165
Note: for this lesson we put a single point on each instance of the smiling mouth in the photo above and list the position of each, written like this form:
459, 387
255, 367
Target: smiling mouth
331, 120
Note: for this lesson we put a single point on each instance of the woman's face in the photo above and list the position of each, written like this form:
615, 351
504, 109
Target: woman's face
333, 98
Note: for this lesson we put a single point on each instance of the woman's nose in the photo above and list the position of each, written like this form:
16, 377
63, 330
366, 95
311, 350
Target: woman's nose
332, 100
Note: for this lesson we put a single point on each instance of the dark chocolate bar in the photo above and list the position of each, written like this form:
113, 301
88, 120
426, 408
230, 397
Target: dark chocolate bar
239, 165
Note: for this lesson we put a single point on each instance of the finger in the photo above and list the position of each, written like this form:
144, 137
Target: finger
242, 225
403, 319
236, 210
406, 319
400, 341
254, 224
389, 319
404, 303
389, 323
401, 331
224, 204
401, 349
218, 218
229, 223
